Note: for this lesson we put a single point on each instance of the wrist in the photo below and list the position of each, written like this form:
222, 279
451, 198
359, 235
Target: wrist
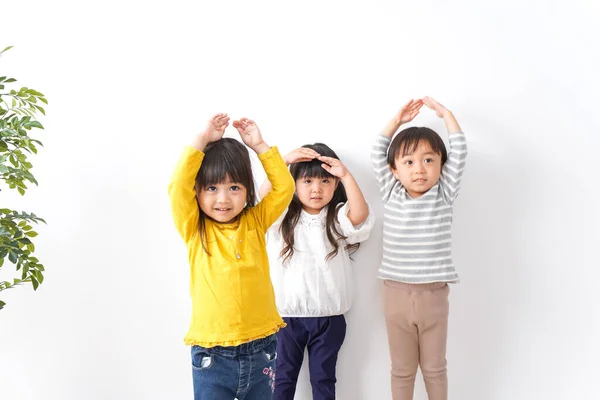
347, 178
200, 142
261, 148
392, 127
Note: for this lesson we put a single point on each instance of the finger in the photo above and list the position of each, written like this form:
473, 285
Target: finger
326, 167
328, 160
310, 153
222, 121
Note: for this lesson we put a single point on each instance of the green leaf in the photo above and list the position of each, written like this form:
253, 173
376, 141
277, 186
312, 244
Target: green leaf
31, 234
9, 80
2, 304
40, 108
12, 257
35, 283
5, 49
34, 124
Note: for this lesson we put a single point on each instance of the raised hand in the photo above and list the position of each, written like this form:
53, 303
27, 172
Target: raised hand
249, 133
334, 166
439, 109
409, 111
302, 154
215, 128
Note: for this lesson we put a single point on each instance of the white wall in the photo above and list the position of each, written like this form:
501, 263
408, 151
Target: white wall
129, 83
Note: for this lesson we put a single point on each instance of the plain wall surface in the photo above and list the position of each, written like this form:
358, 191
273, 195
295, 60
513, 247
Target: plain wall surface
130, 83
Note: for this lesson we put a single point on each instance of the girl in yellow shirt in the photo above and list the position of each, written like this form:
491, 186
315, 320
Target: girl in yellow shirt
234, 316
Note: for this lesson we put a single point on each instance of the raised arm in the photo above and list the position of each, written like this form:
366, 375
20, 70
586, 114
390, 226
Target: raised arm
182, 192
302, 154
454, 167
357, 205
383, 174
282, 185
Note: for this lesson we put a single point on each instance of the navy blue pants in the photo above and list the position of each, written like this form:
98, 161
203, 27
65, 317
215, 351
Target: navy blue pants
323, 336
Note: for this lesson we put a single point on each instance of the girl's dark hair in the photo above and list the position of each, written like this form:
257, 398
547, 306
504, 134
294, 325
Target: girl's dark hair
313, 169
225, 159
407, 141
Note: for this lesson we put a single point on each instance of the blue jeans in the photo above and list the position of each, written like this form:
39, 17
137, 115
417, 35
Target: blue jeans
244, 372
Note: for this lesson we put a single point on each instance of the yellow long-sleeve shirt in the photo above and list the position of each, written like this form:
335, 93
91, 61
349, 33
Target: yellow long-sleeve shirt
232, 298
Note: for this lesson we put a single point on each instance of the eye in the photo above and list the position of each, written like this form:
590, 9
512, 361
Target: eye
234, 188
325, 180
408, 162
211, 188
307, 181
428, 160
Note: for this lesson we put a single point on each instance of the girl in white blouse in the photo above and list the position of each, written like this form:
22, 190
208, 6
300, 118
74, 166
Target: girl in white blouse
309, 253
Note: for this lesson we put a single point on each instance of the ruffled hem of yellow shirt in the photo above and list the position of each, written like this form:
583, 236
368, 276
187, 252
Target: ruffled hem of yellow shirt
192, 342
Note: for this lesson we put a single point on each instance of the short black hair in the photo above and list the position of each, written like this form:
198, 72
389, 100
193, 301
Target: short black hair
407, 141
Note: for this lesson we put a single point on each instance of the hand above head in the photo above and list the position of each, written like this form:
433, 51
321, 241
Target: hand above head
302, 154
439, 109
215, 127
250, 134
409, 111
334, 166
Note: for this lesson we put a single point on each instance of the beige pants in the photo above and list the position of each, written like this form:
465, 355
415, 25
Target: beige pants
416, 318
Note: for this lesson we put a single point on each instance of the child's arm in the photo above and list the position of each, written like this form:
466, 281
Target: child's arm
278, 199
383, 173
357, 205
452, 170
302, 154
181, 189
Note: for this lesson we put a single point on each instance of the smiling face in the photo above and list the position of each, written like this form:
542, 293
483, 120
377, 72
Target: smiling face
222, 202
419, 170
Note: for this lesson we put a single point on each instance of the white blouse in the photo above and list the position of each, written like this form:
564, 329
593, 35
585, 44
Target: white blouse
307, 285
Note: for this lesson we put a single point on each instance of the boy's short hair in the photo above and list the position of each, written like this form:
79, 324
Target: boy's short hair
407, 141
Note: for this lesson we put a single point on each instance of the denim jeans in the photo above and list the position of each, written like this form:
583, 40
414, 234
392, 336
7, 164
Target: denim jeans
244, 372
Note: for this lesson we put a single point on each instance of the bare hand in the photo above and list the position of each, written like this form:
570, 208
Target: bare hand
249, 132
215, 128
409, 111
302, 154
439, 109
334, 166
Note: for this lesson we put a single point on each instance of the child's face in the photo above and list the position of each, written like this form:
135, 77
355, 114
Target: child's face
223, 201
419, 171
315, 193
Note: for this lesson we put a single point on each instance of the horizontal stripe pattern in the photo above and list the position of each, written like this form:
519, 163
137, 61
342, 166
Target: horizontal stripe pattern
417, 238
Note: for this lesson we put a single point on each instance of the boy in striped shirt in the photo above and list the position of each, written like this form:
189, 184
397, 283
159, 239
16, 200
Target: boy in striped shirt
419, 182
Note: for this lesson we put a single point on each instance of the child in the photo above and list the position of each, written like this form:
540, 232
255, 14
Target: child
419, 183
309, 248
234, 316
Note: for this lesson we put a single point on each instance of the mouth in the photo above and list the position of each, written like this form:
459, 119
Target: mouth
420, 180
316, 198
222, 210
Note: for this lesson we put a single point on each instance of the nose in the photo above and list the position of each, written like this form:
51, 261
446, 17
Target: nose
222, 196
315, 187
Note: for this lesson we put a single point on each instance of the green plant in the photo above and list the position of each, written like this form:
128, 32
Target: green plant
18, 111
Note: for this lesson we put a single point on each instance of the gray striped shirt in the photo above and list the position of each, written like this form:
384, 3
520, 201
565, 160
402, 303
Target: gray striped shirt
417, 239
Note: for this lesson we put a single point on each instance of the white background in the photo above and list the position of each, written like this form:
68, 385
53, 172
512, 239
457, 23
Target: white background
130, 83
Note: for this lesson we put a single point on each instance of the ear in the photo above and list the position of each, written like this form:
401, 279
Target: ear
395, 172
